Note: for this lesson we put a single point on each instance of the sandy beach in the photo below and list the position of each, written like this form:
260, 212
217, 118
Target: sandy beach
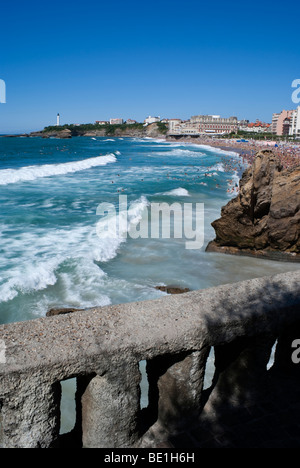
288, 152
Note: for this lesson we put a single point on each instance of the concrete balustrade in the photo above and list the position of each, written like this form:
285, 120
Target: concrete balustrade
102, 349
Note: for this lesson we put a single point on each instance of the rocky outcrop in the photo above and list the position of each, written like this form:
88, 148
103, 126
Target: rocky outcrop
172, 289
61, 311
264, 219
64, 133
151, 131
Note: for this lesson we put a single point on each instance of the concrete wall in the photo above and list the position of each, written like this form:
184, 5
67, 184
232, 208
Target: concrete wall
102, 348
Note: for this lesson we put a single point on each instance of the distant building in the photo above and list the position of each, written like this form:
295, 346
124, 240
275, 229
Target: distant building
287, 124
130, 121
150, 120
278, 127
258, 127
102, 122
294, 123
275, 118
172, 123
243, 125
116, 121
58, 120
185, 129
214, 124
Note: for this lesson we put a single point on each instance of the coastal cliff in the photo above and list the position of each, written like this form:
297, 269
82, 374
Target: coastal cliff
264, 219
154, 130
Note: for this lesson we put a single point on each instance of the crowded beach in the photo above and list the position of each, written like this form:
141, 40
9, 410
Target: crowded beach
288, 152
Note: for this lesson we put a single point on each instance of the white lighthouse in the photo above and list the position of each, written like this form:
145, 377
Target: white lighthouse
57, 120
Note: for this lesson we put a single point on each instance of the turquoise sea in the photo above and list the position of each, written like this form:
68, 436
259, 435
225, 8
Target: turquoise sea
50, 253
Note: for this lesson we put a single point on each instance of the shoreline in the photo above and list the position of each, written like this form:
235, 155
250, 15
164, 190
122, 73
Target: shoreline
289, 153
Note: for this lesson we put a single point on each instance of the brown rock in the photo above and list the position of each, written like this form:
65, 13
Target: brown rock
172, 289
60, 311
66, 133
265, 216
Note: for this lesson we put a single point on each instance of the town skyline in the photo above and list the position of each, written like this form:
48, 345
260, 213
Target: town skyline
288, 111
283, 123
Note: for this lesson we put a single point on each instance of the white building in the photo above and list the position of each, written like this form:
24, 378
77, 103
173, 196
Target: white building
115, 121
258, 127
173, 124
294, 129
184, 128
150, 120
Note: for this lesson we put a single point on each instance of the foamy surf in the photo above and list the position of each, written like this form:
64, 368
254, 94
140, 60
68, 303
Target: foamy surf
112, 231
180, 152
217, 150
30, 173
179, 192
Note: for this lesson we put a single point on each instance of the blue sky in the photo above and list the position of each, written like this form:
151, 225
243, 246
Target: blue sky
95, 60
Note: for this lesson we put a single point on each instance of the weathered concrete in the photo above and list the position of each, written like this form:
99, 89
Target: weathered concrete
103, 346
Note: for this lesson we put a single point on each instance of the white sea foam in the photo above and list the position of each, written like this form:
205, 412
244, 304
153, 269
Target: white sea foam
29, 278
112, 231
233, 185
219, 150
179, 192
38, 257
29, 173
180, 152
218, 167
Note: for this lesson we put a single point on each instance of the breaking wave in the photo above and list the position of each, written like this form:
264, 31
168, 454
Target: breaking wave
179, 192
29, 173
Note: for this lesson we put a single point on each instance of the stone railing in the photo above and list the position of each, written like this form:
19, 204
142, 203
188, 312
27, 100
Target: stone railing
102, 349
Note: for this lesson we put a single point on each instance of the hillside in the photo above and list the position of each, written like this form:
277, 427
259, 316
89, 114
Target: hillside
138, 130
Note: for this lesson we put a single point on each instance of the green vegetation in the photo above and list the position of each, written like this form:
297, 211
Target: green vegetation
109, 130
257, 136
162, 127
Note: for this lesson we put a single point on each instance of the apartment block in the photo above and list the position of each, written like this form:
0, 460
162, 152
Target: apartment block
279, 122
294, 123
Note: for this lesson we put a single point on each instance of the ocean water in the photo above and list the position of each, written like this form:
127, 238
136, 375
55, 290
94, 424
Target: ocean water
51, 252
